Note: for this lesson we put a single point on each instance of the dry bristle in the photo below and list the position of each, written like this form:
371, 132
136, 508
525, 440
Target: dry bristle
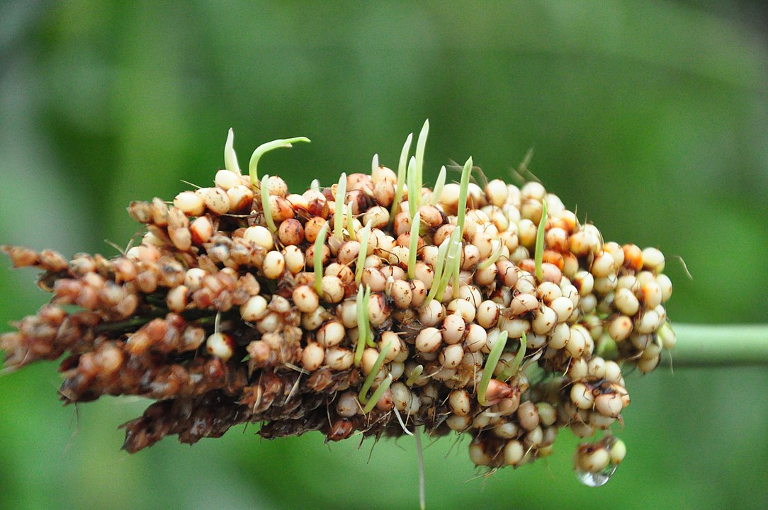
224, 321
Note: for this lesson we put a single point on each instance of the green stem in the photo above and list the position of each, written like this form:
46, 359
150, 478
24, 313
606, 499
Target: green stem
700, 345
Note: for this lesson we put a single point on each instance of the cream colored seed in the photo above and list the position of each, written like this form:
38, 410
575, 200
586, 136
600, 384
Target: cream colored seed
254, 309
653, 260
616, 251
651, 294
347, 404
588, 303
486, 276
331, 334
396, 346
176, 299
240, 198
582, 396
487, 314
563, 308
377, 215
294, 259
259, 236
547, 413
374, 278
514, 327
274, 265
665, 284
215, 199
451, 356
625, 301
193, 278
220, 345
577, 343
506, 430
332, 289
534, 438
348, 252
507, 272
618, 450
526, 232
603, 265
592, 460
528, 415
578, 369
476, 338
470, 257
305, 298
189, 203
605, 284
544, 319
497, 192
628, 281
523, 303
226, 179
460, 402
313, 320
337, 358
559, 336
548, 291
378, 311
401, 294
428, 340
401, 396
648, 322
453, 329
312, 356
458, 423
432, 313
597, 367
514, 453
609, 404
370, 355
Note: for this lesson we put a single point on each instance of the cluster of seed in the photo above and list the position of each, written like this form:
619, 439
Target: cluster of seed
374, 305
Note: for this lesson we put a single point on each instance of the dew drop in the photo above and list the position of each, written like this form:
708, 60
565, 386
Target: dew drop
596, 479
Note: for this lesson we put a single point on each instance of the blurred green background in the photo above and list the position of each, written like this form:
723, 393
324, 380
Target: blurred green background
650, 117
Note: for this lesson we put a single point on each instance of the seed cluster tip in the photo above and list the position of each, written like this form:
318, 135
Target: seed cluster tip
371, 306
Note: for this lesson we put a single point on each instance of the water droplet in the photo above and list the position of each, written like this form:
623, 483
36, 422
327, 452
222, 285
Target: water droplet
596, 479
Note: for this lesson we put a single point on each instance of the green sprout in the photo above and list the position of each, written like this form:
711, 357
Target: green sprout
265, 204
363, 328
439, 270
539, 254
400, 177
230, 157
363, 395
418, 178
384, 386
490, 366
317, 258
494, 256
351, 224
365, 233
262, 149
414, 188
514, 367
415, 374
338, 215
463, 192
413, 245
452, 262
439, 185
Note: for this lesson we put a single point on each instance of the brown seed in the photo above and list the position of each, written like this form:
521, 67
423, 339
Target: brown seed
291, 232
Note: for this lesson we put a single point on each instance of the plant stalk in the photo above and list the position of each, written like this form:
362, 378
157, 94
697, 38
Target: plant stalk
700, 345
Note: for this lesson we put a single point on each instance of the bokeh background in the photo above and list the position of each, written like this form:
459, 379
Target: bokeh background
650, 117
